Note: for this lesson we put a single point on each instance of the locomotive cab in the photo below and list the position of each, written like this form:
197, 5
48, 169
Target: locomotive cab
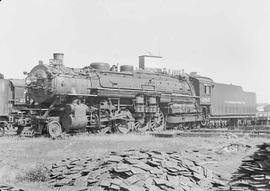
98, 98
203, 87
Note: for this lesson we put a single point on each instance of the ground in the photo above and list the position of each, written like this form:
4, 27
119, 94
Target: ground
17, 154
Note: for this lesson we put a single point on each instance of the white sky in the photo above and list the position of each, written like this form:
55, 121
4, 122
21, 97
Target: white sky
227, 40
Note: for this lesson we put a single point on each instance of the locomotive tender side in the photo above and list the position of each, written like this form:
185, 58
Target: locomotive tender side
231, 100
232, 106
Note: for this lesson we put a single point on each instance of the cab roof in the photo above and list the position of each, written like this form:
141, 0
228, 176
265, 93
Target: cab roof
202, 78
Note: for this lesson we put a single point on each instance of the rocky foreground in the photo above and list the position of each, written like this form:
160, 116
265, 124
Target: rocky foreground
254, 172
4, 187
133, 170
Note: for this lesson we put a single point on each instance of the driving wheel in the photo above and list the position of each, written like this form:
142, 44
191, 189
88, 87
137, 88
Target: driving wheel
158, 122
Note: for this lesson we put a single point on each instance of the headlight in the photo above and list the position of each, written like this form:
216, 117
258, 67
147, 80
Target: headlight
28, 80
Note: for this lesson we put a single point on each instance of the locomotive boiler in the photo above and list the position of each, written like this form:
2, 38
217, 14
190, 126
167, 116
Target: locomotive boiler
99, 98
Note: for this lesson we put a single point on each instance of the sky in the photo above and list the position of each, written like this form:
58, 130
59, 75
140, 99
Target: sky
227, 40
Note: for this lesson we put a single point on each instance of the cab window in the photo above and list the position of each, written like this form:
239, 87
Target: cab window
207, 90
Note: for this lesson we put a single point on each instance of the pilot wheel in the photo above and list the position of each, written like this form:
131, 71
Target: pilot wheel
54, 129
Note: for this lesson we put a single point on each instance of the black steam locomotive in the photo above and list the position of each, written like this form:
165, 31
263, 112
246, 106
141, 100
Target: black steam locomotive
100, 99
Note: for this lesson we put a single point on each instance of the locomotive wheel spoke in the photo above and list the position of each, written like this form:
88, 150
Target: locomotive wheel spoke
152, 125
158, 122
54, 129
98, 127
2, 131
140, 127
123, 126
104, 130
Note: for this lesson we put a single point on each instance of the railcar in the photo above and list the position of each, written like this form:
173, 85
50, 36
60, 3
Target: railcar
13, 107
263, 115
99, 98
263, 118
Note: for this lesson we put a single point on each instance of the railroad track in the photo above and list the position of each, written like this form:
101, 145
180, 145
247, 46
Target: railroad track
262, 131
252, 131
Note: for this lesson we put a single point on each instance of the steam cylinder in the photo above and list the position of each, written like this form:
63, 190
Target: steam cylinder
75, 117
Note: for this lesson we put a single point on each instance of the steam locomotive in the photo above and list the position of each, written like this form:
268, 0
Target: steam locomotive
100, 99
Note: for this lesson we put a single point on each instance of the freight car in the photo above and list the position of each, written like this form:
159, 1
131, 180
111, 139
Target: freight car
13, 108
100, 99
